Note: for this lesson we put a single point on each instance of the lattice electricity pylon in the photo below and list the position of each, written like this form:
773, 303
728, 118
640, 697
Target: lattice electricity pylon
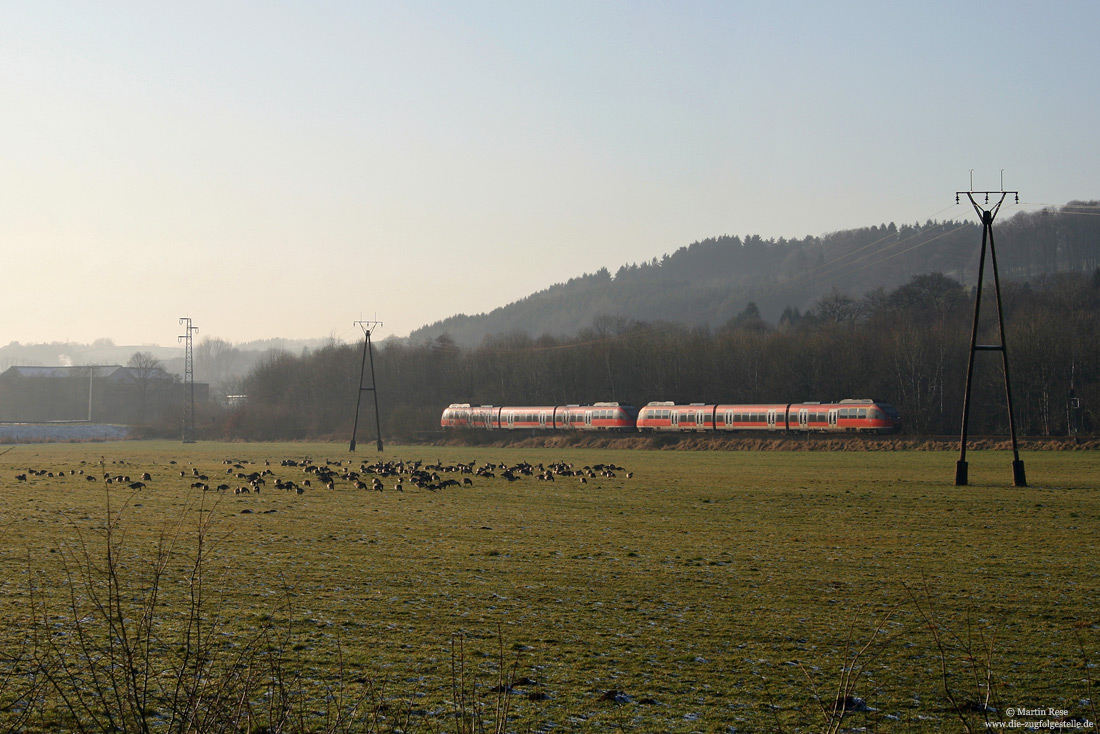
368, 327
987, 216
188, 380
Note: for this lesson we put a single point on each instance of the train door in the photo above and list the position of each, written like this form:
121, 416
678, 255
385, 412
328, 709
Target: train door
542, 419
804, 419
511, 418
832, 418
485, 418
588, 418
674, 418
699, 420
771, 419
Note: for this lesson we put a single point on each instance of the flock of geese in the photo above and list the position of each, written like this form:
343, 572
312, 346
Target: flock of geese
244, 477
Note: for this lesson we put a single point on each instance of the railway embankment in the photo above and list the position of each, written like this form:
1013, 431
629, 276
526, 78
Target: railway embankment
791, 442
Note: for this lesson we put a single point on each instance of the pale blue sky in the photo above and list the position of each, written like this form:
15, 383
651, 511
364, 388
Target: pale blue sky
282, 169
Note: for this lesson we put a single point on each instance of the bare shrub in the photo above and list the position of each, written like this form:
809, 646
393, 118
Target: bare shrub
137, 648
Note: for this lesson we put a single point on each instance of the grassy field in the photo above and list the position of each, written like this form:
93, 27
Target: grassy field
710, 591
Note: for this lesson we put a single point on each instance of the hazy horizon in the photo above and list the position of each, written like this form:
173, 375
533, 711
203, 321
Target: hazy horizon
288, 170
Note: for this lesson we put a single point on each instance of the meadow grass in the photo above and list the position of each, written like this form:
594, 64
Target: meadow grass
710, 591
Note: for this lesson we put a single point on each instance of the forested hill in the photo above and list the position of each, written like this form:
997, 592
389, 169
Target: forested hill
710, 282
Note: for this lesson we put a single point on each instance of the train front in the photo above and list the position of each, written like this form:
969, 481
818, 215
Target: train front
883, 418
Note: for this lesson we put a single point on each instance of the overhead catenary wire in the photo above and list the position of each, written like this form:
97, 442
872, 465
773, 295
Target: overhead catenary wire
836, 268
857, 260
841, 267
839, 270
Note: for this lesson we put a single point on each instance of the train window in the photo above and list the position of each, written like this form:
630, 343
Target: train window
875, 415
862, 412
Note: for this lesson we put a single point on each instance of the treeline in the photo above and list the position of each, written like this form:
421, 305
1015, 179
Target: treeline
710, 281
908, 346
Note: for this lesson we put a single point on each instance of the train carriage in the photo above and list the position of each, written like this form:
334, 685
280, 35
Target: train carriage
766, 417
604, 416
532, 418
595, 417
464, 415
846, 416
668, 416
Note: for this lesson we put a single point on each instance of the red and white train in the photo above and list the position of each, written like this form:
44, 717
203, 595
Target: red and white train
846, 416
